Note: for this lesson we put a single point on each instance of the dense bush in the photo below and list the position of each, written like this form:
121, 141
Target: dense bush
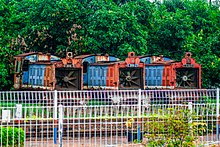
11, 136
174, 129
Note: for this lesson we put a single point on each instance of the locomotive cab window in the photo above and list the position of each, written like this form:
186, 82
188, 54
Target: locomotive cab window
17, 66
25, 65
85, 67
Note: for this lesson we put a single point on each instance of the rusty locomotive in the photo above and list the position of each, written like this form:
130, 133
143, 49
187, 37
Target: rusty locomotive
39, 71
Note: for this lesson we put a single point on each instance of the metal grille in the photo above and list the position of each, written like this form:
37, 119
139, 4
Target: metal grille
131, 78
104, 118
187, 78
68, 79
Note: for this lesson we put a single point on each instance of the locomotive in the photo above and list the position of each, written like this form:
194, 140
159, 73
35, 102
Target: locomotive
37, 71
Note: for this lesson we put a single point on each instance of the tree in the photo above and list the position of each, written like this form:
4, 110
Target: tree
8, 25
169, 31
112, 29
205, 40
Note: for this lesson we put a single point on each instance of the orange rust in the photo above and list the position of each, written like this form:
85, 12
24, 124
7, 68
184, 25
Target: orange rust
49, 76
26, 54
167, 79
132, 59
112, 75
101, 58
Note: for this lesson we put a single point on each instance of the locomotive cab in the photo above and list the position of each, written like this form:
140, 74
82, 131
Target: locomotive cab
158, 72
34, 71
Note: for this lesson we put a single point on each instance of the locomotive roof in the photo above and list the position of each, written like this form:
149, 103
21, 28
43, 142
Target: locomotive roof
83, 56
106, 62
26, 54
89, 55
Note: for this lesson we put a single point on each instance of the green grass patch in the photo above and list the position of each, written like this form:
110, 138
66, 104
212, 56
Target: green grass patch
96, 102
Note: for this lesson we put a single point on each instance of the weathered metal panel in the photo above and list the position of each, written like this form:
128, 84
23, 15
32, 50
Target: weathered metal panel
49, 76
111, 58
42, 57
154, 75
97, 75
36, 74
146, 60
166, 59
25, 54
99, 58
90, 59
54, 58
85, 78
155, 59
168, 78
31, 58
25, 77
105, 58
113, 76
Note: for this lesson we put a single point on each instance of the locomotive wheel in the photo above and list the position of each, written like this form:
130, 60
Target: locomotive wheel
68, 79
130, 78
186, 78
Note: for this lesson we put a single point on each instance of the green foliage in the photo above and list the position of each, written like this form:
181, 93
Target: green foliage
169, 32
11, 136
174, 129
114, 31
111, 26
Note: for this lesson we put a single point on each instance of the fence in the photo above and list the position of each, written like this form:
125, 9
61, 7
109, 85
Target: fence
108, 118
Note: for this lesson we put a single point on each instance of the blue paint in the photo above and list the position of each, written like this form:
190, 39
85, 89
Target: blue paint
85, 78
111, 58
90, 59
25, 77
133, 135
146, 60
154, 75
32, 58
54, 58
166, 59
97, 75
139, 133
36, 74
55, 136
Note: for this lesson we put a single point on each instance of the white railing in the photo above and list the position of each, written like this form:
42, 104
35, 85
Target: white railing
103, 118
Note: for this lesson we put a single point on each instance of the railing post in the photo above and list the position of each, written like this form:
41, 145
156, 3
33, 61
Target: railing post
55, 117
139, 116
60, 125
190, 115
217, 114
190, 111
139, 103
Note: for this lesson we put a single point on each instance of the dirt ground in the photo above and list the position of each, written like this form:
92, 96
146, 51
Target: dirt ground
120, 142
96, 142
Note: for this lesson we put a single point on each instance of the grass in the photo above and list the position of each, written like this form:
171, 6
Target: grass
96, 103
